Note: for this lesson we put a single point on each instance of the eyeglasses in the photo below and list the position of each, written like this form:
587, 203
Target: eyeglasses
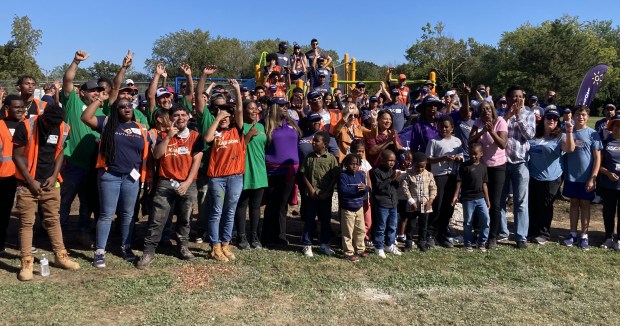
551, 117
354, 116
316, 99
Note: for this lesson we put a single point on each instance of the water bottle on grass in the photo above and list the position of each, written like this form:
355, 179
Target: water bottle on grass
45, 266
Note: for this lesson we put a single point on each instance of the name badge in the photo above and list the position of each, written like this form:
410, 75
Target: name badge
579, 143
12, 131
617, 166
52, 139
135, 175
182, 150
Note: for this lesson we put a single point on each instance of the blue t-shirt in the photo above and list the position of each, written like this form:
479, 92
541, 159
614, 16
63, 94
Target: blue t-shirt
544, 163
400, 113
578, 164
610, 160
462, 129
129, 146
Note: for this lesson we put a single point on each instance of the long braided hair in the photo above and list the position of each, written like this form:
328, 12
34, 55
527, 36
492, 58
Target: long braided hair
108, 146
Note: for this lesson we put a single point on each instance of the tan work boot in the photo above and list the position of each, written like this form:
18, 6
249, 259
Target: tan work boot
62, 260
25, 274
227, 252
217, 254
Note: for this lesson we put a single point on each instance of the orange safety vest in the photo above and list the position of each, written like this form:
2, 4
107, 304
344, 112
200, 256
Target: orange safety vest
32, 147
7, 167
145, 152
334, 117
40, 106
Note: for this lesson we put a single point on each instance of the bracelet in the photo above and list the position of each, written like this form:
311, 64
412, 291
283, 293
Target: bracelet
76, 62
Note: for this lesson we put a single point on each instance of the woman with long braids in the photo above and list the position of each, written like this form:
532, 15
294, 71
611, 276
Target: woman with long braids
122, 158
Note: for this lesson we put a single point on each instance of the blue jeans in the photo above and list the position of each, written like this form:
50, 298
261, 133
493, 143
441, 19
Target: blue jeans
223, 194
116, 190
519, 177
385, 225
471, 208
312, 208
75, 182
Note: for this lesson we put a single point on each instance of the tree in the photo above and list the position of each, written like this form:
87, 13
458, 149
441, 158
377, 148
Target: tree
181, 47
436, 51
17, 55
104, 69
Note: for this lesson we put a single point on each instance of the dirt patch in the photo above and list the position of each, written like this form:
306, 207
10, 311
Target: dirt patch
194, 278
372, 294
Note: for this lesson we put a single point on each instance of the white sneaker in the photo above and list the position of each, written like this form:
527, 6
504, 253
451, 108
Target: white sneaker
616, 246
326, 249
308, 251
393, 249
380, 253
608, 244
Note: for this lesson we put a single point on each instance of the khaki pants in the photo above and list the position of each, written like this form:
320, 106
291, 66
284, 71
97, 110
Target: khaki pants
49, 203
353, 231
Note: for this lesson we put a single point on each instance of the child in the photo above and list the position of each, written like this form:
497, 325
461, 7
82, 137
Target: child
404, 210
443, 152
385, 182
420, 191
580, 171
471, 182
319, 173
359, 148
352, 192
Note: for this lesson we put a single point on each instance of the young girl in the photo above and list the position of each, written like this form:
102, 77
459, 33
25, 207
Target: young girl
358, 148
404, 210
444, 152
352, 193
420, 191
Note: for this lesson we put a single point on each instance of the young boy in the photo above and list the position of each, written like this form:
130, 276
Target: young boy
580, 171
404, 209
385, 182
352, 192
319, 172
420, 191
471, 182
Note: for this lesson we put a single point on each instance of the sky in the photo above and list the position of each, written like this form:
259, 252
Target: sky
376, 31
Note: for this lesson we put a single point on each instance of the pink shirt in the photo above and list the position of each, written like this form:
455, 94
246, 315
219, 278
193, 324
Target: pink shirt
492, 155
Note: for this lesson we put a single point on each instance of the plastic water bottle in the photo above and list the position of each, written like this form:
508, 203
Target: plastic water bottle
45, 266
175, 184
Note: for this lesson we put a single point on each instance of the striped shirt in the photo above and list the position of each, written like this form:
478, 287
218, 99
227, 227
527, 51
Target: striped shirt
519, 133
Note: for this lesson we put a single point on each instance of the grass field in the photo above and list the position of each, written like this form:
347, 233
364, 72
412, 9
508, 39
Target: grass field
549, 284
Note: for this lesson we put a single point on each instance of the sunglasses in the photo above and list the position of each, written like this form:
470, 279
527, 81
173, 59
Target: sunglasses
354, 116
125, 106
317, 99
552, 117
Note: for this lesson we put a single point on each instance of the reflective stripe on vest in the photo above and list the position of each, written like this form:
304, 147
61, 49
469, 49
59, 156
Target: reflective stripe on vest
7, 167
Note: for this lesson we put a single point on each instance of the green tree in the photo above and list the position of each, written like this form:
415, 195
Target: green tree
104, 69
17, 55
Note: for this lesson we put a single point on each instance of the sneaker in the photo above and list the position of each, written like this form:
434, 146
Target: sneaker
423, 247
492, 244
256, 244
308, 251
99, 260
521, 245
502, 239
34, 250
362, 254
482, 247
145, 260
128, 254
199, 240
380, 253
368, 244
351, 258
445, 242
243, 243
186, 254
616, 246
393, 249
540, 240
326, 249
608, 244
408, 245
468, 248
401, 238
583, 244
572, 240
430, 242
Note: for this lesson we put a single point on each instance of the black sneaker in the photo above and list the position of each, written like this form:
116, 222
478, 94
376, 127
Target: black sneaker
492, 244
408, 246
430, 242
256, 244
521, 245
243, 243
186, 254
423, 246
445, 242
128, 254
145, 260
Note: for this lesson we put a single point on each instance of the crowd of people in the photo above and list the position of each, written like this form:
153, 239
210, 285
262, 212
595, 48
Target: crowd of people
398, 161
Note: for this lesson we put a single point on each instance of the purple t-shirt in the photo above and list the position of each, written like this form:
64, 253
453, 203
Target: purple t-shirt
492, 155
282, 150
421, 133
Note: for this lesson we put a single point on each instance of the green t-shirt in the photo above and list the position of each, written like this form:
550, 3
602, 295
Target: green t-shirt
81, 145
140, 117
204, 121
187, 104
255, 176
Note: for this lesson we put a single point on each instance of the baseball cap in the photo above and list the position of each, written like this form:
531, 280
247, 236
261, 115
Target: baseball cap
431, 101
610, 106
163, 91
314, 94
395, 91
450, 93
91, 84
279, 101
429, 82
314, 117
283, 45
360, 85
320, 59
533, 98
502, 100
552, 112
273, 88
244, 89
129, 81
373, 99
402, 76
567, 110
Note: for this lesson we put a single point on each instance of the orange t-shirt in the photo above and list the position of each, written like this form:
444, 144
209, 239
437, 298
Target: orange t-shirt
177, 161
227, 153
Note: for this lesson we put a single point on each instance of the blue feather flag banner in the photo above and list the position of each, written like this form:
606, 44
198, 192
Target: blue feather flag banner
591, 83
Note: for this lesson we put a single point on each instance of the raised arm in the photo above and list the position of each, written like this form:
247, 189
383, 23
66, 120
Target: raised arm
67, 80
189, 90
239, 104
200, 104
568, 143
210, 134
118, 79
152, 90
88, 116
